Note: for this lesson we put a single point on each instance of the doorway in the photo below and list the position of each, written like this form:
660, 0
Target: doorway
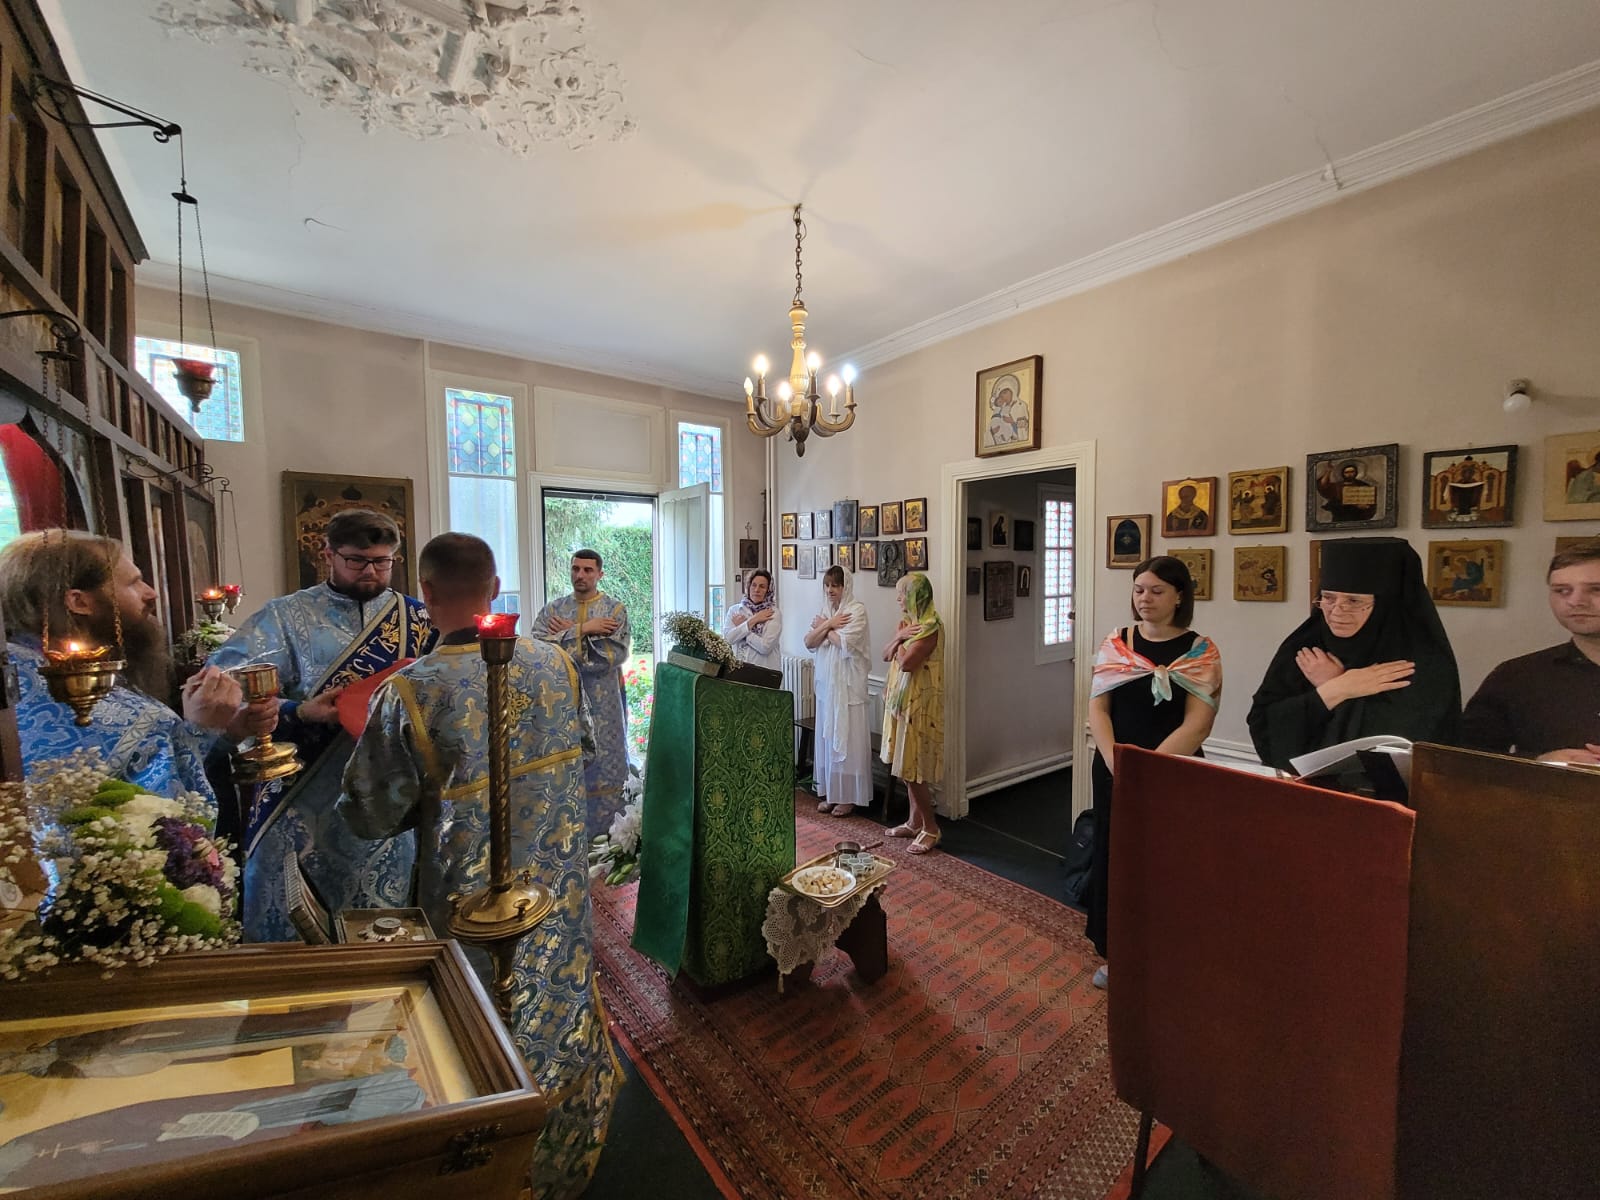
620, 527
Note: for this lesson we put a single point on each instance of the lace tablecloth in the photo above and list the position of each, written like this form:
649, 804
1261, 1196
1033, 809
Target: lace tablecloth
799, 930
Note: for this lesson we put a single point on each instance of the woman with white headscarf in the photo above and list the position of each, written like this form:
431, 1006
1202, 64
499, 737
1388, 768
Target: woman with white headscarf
838, 636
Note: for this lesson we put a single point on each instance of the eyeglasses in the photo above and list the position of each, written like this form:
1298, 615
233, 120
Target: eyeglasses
357, 562
1332, 603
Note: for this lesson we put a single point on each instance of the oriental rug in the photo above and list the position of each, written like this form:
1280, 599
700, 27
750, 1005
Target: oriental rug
976, 1067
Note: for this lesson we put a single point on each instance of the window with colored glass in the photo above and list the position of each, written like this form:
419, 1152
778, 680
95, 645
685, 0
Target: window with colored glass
481, 454
220, 417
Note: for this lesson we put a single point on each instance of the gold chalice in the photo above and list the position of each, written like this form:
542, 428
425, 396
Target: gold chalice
265, 759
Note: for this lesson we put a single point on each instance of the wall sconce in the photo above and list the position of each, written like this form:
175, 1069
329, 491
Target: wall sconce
1517, 397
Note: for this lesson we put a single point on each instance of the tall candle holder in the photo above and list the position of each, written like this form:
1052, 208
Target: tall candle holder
498, 916
264, 760
80, 676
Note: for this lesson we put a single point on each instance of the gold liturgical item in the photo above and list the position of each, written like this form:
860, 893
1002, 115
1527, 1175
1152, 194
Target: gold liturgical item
80, 676
497, 916
265, 760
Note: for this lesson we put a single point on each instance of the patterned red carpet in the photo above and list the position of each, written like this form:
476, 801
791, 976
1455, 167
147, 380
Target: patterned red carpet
977, 1067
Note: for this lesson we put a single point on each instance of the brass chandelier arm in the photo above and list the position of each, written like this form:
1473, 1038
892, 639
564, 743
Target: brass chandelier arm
760, 428
823, 427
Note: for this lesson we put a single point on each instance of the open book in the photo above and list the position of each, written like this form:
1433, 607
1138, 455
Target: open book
1384, 759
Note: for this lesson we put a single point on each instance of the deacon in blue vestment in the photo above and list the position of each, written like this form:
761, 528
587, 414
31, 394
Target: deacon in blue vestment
82, 584
321, 639
593, 628
422, 764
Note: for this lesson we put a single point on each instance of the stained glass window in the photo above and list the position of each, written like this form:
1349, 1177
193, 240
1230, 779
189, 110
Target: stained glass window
482, 434
1058, 546
221, 415
700, 455
481, 445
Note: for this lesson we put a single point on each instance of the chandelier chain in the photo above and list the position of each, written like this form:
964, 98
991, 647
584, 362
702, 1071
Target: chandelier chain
799, 236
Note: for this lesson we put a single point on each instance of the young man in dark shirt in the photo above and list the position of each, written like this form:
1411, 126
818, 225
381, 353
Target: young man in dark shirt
1546, 705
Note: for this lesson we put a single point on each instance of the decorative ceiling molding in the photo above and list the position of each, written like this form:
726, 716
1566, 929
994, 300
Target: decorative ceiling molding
398, 323
517, 69
1518, 112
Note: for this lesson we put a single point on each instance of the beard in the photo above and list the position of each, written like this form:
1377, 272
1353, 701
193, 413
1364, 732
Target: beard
144, 644
361, 590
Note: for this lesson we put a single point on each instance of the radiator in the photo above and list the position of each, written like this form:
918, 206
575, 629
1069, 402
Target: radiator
797, 679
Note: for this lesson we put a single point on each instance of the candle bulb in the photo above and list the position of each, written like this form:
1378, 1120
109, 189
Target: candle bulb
497, 625
833, 397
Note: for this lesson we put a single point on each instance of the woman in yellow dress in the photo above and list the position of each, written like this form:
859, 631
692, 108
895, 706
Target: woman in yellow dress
913, 709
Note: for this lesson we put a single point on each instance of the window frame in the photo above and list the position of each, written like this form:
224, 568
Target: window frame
730, 542
1060, 651
249, 351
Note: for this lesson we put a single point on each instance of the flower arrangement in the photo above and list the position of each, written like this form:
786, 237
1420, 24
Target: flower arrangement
136, 876
204, 636
691, 632
614, 856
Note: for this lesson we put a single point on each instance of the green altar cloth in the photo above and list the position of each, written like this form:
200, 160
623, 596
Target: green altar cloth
718, 825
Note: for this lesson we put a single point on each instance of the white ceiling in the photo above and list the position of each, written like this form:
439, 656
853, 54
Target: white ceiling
944, 150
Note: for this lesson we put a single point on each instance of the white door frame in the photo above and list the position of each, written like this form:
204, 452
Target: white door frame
533, 569
955, 476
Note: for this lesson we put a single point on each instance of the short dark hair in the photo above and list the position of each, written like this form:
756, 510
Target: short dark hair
758, 573
1175, 572
590, 554
361, 529
460, 566
1574, 555
834, 574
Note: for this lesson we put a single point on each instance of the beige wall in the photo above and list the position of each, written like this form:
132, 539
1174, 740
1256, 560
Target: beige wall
328, 398
1395, 315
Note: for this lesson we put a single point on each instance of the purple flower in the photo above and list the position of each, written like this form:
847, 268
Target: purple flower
192, 857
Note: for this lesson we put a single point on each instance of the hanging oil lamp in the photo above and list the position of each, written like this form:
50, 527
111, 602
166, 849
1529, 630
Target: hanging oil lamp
265, 759
230, 595
195, 378
211, 602
80, 676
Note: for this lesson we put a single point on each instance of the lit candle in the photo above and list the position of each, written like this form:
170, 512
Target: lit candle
497, 625
761, 367
211, 593
232, 590
76, 652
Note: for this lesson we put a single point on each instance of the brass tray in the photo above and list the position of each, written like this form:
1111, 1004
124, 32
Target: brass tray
864, 882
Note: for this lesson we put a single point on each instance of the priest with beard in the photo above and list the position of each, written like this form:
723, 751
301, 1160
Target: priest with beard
322, 639
82, 582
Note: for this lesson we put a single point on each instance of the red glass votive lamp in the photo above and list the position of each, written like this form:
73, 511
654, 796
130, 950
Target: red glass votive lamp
497, 625
230, 595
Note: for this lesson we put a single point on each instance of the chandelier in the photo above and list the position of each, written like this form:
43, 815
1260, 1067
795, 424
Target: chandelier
796, 407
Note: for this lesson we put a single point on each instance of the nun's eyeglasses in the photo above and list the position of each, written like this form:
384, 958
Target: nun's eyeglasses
1334, 602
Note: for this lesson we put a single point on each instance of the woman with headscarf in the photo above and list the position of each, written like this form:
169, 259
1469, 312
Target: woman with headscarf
1156, 685
752, 626
1373, 659
913, 708
838, 636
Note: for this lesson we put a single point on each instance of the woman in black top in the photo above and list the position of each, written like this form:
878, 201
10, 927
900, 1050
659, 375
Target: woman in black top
1156, 685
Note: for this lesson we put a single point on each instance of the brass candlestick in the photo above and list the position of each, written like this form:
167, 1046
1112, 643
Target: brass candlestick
498, 916
80, 677
265, 760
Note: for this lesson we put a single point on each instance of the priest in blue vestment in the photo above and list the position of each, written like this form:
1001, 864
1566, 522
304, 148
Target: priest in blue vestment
81, 584
422, 764
593, 629
321, 639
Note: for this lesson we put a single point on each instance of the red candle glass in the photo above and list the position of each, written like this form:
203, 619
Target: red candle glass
497, 625
195, 366
232, 590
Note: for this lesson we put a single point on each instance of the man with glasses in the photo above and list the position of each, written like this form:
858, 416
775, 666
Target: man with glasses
1546, 705
593, 628
321, 639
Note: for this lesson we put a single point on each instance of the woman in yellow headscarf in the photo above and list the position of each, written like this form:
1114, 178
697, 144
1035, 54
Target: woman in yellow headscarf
913, 708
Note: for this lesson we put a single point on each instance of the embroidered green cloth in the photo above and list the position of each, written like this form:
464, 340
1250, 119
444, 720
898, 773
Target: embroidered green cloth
718, 828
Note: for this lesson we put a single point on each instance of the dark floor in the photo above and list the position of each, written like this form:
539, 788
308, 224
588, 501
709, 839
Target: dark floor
1020, 833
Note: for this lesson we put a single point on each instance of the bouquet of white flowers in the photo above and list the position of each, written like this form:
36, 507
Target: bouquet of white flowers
690, 632
135, 876
614, 856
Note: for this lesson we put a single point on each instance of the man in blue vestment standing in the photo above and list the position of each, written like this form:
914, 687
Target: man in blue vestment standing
422, 765
322, 639
81, 584
593, 628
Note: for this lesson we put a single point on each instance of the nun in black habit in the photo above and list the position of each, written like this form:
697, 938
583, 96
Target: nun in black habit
1373, 659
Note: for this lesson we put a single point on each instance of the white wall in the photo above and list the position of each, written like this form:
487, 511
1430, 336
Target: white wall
331, 399
1019, 711
1396, 315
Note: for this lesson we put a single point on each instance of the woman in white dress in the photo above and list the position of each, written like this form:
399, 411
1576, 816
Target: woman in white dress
838, 636
752, 626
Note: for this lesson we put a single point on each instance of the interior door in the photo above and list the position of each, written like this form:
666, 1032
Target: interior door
683, 538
